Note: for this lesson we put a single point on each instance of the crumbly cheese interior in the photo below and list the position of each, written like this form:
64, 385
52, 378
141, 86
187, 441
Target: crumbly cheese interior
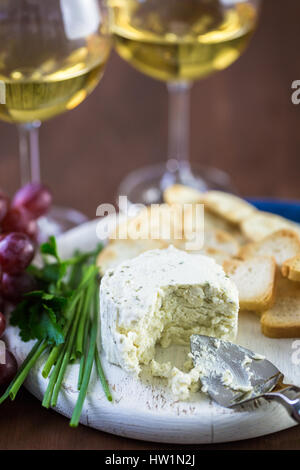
164, 296
181, 383
202, 309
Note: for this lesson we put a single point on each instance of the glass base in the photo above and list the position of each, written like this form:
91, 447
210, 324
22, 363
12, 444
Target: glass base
59, 220
146, 185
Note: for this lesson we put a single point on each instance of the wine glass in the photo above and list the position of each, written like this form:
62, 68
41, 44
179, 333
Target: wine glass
52, 56
179, 41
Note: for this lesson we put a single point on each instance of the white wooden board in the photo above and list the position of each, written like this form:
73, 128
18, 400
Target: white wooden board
144, 409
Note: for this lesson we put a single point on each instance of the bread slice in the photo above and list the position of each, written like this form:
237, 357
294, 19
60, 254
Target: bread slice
215, 222
180, 194
170, 223
261, 224
120, 250
217, 231
284, 286
221, 240
255, 280
232, 208
157, 222
291, 268
283, 319
283, 245
218, 255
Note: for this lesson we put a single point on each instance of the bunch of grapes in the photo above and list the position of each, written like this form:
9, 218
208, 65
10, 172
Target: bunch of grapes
18, 239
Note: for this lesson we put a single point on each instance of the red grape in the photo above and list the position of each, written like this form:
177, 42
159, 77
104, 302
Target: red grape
9, 369
4, 203
19, 219
13, 287
16, 252
35, 198
2, 324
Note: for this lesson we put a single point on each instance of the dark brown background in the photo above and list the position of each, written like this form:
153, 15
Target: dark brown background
243, 121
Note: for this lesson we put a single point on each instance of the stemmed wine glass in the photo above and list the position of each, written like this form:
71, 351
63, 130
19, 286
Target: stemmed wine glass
52, 55
179, 41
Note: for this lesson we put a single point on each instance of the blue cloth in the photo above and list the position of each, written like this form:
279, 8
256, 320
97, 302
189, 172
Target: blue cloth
288, 209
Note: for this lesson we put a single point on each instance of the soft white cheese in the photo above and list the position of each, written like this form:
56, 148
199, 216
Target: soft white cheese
164, 296
181, 383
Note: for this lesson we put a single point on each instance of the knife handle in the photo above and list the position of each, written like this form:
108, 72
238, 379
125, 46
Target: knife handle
291, 403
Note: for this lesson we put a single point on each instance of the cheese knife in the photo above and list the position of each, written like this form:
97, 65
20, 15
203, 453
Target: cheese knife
233, 376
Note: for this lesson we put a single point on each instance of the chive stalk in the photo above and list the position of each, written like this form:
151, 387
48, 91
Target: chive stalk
66, 358
101, 375
23, 371
88, 366
79, 332
84, 355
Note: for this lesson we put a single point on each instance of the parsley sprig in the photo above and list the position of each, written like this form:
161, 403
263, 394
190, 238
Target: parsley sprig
62, 315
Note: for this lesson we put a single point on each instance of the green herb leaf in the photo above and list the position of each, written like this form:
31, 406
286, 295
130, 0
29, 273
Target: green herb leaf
57, 315
54, 273
40, 316
48, 327
50, 248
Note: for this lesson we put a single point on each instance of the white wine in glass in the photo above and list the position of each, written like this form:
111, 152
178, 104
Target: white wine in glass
52, 56
179, 41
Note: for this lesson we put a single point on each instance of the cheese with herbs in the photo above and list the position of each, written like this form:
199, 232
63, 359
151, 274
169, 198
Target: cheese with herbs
164, 296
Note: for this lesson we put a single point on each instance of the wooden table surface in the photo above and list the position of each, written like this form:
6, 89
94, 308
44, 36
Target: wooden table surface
243, 121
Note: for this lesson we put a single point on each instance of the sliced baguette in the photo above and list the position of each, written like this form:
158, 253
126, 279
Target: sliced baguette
213, 224
232, 208
159, 222
180, 194
283, 319
120, 250
261, 224
218, 255
221, 240
213, 221
171, 223
255, 280
291, 268
283, 245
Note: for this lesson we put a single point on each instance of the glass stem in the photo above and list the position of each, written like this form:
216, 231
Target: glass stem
29, 152
179, 127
